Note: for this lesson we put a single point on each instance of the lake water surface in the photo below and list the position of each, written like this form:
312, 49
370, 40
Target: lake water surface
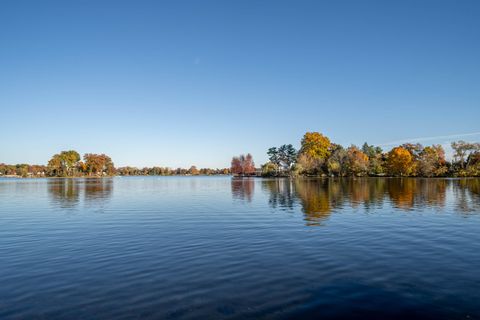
223, 248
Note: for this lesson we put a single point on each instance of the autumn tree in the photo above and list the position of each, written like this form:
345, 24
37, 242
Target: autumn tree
128, 171
399, 162
337, 162
269, 169
64, 163
236, 166
462, 152
206, 171
432, 162
55, 166
193, 170
415, 150
36, 170
314, 151
315, 145
305, 165
473, 168
243, 165
6, 169
22, 170
248, 165
357, 161
98, 164
181, 171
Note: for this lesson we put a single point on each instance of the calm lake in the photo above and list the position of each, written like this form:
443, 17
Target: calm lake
223, 248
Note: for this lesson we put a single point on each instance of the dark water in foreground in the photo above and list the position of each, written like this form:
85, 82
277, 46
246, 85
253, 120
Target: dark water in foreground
213, 247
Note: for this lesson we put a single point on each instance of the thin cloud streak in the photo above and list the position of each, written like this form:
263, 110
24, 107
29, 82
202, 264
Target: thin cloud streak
452, 136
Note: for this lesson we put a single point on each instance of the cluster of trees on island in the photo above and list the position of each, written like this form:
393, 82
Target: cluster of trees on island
64, 164
319, 156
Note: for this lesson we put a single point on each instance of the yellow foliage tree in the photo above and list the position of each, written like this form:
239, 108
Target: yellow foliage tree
314, 151
400, 162
315, 145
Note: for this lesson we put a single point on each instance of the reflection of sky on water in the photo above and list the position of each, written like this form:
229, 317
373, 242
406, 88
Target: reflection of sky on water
228, 244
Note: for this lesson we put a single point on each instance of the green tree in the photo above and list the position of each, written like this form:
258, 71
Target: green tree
337, 162
376, 163
273, 156
287, 156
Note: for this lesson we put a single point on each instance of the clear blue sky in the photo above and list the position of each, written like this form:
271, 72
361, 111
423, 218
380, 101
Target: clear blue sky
194, 82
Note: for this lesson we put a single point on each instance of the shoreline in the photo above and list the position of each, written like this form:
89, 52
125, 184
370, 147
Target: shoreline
239, 177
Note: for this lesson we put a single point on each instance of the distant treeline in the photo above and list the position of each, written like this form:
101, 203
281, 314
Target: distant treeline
64, 164
69, 164
319, 156
164, 171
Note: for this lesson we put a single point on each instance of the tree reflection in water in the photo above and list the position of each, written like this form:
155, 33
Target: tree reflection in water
467, 195
318, 198
280, 193
97, 190
408, 193
243, 188
68, 192
64, 193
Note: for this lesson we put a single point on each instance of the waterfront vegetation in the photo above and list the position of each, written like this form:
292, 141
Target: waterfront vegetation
69, 164
64, 164
317, 156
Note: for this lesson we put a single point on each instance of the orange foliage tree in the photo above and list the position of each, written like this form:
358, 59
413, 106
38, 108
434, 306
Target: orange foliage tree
243, 165
400, 162
357, 161
98, 164
193, 171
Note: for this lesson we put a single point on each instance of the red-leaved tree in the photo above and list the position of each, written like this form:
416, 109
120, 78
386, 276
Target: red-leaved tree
243, 165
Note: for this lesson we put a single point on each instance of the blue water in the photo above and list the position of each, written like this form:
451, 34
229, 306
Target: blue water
223, 248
